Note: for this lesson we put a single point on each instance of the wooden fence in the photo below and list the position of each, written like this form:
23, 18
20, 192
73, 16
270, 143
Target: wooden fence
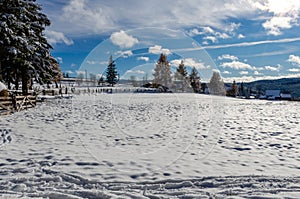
17, 103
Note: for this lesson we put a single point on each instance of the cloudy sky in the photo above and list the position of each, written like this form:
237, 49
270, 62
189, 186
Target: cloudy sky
245, 40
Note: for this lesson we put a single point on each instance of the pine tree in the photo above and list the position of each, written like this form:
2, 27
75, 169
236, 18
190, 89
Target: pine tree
195, 80
162, 72
24, 50
241, 89
181, 72
112, 76
233, 91
101, 81
181, 76
216, 85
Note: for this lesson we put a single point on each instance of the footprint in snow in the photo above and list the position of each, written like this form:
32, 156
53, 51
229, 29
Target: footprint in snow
5, 136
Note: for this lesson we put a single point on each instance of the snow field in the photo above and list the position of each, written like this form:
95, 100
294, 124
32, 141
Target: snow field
152, 145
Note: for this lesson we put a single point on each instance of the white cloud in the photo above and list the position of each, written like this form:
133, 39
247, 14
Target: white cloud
213, 39
189, 62
146, 59
226, 72
271, 68
241, 36
227, 56
223, 36
244, 72
194, 32
285, 14
232, 27
123, 40
294, 70
208, 30
137, 72
294, 59
54, 37
275, 24
212, 35
203, 43
70, 72
91, 62
124, 54
237, 65
59, 60
158, 50
257, 73
81, 17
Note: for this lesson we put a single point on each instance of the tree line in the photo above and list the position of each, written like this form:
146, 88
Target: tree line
180, 81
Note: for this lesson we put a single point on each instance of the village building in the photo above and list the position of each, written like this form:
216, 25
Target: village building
273, 94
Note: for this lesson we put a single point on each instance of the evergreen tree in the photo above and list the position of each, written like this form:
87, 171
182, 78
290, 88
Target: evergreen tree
242, 90
195, 80
181, 72
101, 81
112, 76
24, 50
216, 85
181, 76
233, 91
162, 72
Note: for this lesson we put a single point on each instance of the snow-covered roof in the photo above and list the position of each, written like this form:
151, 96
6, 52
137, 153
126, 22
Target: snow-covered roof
2, 86
286, 95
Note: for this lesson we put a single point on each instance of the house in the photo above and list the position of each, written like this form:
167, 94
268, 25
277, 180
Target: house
273, 94
286, 96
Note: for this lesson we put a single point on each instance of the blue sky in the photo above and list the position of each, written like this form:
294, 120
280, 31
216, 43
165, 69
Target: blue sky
245, 40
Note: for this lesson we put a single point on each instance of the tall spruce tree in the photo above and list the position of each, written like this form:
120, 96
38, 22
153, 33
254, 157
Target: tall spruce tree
24, 50
181, 77
112, 76
195, 80
233, 91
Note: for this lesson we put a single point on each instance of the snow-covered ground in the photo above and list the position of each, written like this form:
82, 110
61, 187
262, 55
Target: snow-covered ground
153, 146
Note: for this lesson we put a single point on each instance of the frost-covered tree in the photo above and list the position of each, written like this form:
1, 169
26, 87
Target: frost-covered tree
112, 76
241, 89
216, 85
24, 50
180, 77
195, 80
133, 81
162, 72
93, 79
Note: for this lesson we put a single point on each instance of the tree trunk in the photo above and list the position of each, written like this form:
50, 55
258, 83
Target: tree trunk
1, 78
17, 82
24, 85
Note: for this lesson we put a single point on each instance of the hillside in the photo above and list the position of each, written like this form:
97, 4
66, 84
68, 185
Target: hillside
286, 84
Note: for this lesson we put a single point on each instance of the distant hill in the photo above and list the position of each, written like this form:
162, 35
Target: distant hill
286, 84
